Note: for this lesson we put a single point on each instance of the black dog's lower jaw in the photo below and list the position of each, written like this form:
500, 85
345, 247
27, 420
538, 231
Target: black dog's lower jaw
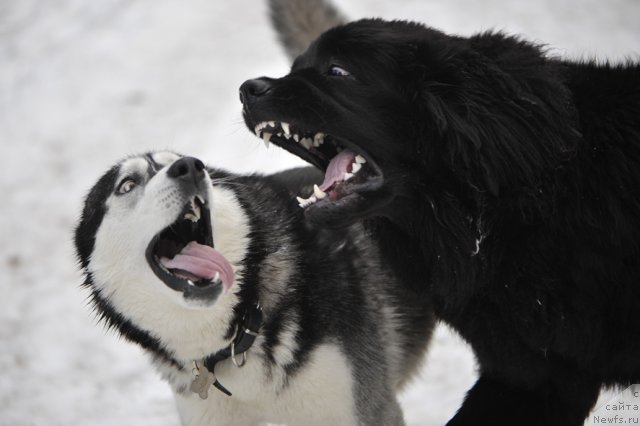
514, 199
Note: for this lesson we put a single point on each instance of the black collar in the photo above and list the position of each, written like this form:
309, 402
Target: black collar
246, 332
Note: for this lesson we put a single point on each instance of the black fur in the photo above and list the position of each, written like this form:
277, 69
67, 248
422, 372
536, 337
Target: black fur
512, 194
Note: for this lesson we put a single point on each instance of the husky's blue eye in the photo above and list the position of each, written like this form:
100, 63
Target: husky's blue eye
337, 71
126, 185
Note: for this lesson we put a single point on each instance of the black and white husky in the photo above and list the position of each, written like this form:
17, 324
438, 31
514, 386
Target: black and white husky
249, 315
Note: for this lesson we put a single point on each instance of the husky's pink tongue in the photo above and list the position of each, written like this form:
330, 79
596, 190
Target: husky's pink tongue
197, 261
338, 166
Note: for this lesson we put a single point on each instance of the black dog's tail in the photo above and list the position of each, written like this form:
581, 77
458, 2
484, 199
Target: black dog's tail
299, 22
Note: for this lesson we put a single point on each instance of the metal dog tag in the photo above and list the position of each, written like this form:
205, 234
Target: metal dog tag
202, 382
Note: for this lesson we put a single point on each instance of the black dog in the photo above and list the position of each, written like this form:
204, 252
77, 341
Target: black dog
507, 181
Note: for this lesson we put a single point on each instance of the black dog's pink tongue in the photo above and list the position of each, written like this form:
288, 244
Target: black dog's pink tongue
198, 261
338, 166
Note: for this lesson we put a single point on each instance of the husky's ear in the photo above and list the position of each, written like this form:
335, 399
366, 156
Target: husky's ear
299, 22
495, 125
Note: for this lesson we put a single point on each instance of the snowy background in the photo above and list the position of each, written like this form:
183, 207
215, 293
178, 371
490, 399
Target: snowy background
86, 82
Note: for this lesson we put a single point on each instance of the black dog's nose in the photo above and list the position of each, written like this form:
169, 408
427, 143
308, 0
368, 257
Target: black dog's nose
189, 169
255, 88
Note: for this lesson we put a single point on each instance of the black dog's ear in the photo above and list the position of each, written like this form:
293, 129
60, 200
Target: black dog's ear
496, 123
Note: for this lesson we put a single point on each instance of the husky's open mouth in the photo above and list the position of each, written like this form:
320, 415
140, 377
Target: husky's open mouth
348, 170
183, 257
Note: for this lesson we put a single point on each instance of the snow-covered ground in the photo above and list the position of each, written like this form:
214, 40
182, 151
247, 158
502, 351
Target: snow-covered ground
84, 83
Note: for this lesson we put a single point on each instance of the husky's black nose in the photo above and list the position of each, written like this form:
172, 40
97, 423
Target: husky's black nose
252, 89
187, 169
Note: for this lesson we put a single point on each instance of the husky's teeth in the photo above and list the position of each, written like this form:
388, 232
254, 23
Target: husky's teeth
257, 130
266, 137
306, 142
287, 136
285, 128
216, 277
194, 214
279, 134
271, 123
300, 200
319, 193
190, 282
296, 138
348, 176
355, 167
360, 159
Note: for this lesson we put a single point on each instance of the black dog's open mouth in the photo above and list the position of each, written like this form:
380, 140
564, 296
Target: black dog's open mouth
348, 169
183, 257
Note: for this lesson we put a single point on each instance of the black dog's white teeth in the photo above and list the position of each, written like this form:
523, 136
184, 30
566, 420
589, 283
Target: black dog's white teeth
266, 129
306, 142
270, 126
318, 139
302, 202
259, 127
318, 194
266, 137
356, 166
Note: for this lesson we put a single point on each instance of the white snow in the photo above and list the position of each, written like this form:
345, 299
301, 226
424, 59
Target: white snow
84, 83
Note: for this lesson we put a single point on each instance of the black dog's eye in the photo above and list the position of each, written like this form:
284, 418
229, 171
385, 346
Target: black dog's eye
336, 71
126, 186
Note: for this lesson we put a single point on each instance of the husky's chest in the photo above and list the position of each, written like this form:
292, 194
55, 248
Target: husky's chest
320, 392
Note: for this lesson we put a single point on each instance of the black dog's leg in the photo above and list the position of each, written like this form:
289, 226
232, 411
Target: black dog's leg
495, 403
